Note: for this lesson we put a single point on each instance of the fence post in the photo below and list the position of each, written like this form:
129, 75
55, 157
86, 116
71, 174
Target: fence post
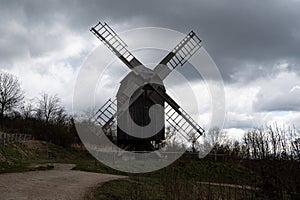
2, 139
14, 137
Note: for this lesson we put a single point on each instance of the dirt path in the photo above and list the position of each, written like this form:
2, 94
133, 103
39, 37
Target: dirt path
61, 183
230, 185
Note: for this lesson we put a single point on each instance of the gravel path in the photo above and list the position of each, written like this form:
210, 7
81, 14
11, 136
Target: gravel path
61, 183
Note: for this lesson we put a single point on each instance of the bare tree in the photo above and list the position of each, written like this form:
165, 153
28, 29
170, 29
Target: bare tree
296, 148
27, 109
49, 108
215, 136
11, 94
61, 117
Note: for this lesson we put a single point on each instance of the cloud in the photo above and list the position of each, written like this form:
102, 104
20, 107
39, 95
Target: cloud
235, 134
248, 36
263, 101
281, 93
296, 88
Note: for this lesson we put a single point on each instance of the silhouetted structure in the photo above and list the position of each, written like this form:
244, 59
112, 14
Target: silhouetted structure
141, 89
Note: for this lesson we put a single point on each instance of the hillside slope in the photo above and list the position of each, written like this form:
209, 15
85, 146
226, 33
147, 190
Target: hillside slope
21, 156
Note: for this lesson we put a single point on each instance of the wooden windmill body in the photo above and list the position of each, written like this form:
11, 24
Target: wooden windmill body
150, 91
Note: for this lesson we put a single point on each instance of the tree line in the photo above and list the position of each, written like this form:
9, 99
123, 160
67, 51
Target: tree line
271, 142
44, 117
272, 153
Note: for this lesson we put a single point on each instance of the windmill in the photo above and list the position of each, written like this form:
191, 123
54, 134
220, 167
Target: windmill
141, 89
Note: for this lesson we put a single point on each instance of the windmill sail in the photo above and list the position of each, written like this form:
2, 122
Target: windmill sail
106, 35
183, 123
178, 118
179, 55
106, 117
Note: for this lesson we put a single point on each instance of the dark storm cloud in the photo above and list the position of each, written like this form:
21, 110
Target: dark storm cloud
245, 38
239, 35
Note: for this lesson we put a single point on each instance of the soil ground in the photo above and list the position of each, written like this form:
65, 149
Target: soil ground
61, 183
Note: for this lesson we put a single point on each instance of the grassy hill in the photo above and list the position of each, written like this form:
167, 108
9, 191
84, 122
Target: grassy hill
25, 155
176, 179
39, 155
184, 179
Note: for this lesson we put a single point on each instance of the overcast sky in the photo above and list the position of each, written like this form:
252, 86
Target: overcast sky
255, 44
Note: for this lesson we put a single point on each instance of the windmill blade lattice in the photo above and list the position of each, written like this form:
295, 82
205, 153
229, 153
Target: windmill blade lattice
185, 49
183, 124
179, 119
106, 35
106, 116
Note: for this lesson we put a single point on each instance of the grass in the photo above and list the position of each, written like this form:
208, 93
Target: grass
11, 158
92, 165
161, 188
181, 180
28, 156
200, 170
